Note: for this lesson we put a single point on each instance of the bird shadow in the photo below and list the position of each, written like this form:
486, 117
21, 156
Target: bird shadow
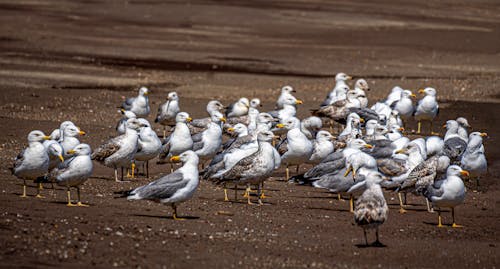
330, 209
164, 217
376, 244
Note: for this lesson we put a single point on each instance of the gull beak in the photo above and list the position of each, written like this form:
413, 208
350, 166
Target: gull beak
189, 119
71, 151
81, 132
444, 125
413, 95
402, 129
260, 105
46, 137
276, 137
349, 78
361, 120
483, 134
280, 125
122, 111
223, 119
230, 129
368, 146
349, 169
298, 102
400, 151
368, 89
421, 91
146, 93
175, 158
464, 173
61, 158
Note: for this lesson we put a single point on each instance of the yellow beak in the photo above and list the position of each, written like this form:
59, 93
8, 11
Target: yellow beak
400, 151
368, 146
82, 132
361, 120
402, 129
349, 169
444, 125
483, 134
413, 95
349, 77
176, 158
46, 137
61, 158
223, 119
280, 125
189, 119
298, 102
421, 91
464, 173
70, 152
230, 129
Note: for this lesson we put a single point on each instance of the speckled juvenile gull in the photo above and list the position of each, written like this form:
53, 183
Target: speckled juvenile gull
427, 108
140, 104
33, 161
149, 145
120, 126
74, 171
449, 192
119, 152
371, 209
173, 188
255, 168
167, 111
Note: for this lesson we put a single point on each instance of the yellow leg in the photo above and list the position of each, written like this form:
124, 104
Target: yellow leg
24, 190
351, 204
454, 225
262, 195
402, 210
79, 201
174, 215
225, 194
133, 170
69, 199
40, 188
248, 197
418, 127
287, 173
440, 224
339, 197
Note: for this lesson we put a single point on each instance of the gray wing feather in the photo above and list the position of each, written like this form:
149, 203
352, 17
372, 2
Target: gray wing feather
162, 188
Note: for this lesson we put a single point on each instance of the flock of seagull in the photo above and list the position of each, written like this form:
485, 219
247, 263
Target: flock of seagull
240, 145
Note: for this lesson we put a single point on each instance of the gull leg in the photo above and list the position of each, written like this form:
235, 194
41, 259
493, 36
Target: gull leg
225, 193
38, 193
440, 224
402, 210
116, 175
24, 189
69, 198
418, 127
366, 238
454, 225
259, 194
262, 195
171, 167
432, 129
429, 208
248, 197
287, 173
147, 169
174, 215
297, 169
79, 201
164, 132
351, 203
377, 242
339, 197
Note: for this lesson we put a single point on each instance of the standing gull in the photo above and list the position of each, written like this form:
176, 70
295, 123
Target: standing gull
127, 114
427, 108
298, 147
74, 171
173, 188
149, 145
33, 161
210, 140
119, 151
473, 159
167, 111
179, 141
286, 92
140, 104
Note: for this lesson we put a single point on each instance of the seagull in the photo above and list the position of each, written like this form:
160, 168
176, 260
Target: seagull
322, 147
179, 141
404, 106
434, 145
310, 126
360, 87
255, 168
289, 109
371, 209
394, 96
454, 144
286, 92
463, 125
120, 126
427, 108
473, 159
240, 108
449, 192
209, 141
74, 171
149, 145
264, 123
352, 128
250, 117
339, 110
167, 111
119, 151
199, 125
57, 134
140, 104
33, 161
340, 85
298, 147
69, 140
174, 188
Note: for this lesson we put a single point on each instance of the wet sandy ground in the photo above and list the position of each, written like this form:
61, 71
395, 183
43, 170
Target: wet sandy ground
78, 59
